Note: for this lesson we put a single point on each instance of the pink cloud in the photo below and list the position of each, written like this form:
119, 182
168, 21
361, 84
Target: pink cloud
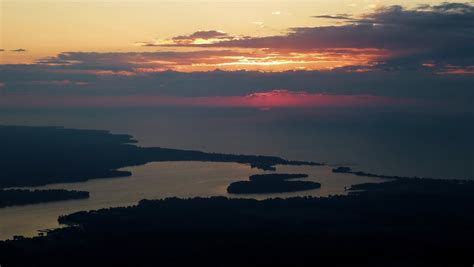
260, 100
456, 70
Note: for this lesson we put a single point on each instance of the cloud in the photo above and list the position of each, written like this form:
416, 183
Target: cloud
196, 38
422, 54
130, 63
135, 61
279, 13
19, 50
89, 80
59, 83
76, 85
1, 50
389, 28
336, 17
443, 33
203, 35
261, 24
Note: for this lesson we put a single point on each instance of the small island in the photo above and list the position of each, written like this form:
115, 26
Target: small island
16, 197
342, 169
275, 177
272, 183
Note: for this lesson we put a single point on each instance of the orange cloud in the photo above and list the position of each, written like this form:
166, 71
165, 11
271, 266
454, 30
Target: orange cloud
132, 63
410, 36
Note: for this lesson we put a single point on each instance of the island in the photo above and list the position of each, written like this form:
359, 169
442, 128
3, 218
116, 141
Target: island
348, 170
15, 197
427, 222
35, 156
271, 177
271, 183
342, 169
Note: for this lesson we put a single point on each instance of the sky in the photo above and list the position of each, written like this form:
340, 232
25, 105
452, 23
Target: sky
46, 28
256, 54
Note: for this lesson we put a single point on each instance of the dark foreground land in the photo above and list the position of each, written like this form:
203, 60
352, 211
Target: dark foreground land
272, 183
33, 156
406, 222
14, 197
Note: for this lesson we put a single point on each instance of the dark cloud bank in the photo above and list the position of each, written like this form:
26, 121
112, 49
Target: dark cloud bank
419, 84
440, 33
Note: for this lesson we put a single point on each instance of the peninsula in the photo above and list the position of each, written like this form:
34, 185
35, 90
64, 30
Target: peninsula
35, 156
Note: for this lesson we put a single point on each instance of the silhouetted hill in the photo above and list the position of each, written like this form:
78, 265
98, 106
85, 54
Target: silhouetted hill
400, 223
14, 197
33, 156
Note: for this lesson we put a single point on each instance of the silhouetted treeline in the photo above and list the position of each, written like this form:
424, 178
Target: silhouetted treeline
367, 174
271, 183
418, 186
13, 197
33, 156
400, 223
276, 176
342, 169
249, 187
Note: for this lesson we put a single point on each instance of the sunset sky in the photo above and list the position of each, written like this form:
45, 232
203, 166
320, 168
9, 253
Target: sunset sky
406, 50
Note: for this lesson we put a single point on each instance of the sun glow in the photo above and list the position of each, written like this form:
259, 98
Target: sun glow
275, 61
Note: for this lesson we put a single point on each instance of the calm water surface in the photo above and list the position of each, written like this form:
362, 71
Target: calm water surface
159, 180
402, 143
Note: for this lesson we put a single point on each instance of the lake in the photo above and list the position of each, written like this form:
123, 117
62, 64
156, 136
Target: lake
392, 142
404, 143
160, 180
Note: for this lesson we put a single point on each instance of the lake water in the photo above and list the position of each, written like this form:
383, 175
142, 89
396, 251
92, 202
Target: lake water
406, 143
393, 142
160, 180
